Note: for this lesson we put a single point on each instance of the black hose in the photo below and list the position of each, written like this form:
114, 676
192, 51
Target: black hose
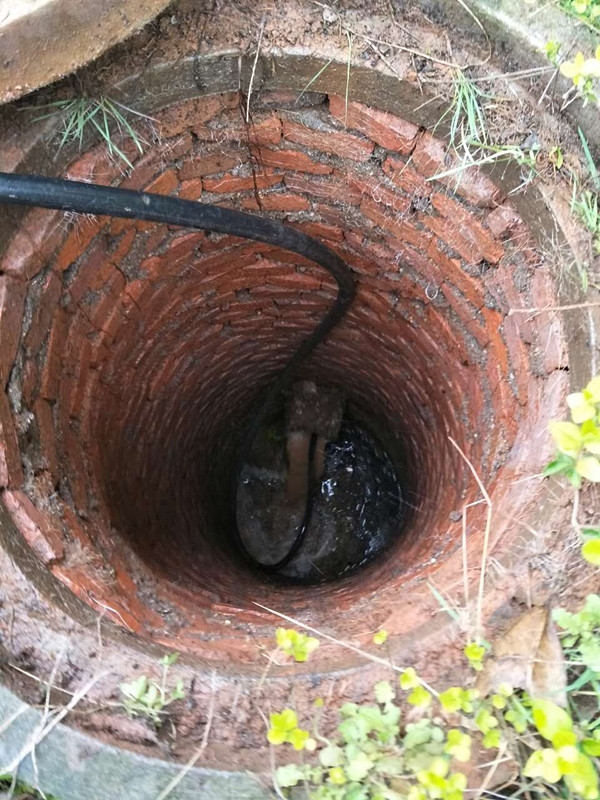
87, 198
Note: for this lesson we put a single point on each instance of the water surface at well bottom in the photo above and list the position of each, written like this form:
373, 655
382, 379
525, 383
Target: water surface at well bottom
357, 505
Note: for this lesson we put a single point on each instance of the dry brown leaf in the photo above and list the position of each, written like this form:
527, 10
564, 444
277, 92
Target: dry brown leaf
527, 656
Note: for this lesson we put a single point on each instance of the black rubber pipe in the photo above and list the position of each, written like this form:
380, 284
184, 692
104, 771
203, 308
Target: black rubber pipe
87, 198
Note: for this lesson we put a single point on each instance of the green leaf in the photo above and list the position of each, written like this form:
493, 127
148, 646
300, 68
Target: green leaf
359, 767
419, 697
169, 660
389, 765
331, 756
287, 720
588, 467
384, 692
560, 464
567, 436
288, 776
583, 779
550, 719
593, 390
409, 679
591, 747
543, 764
298, 738
591, 551
581, 409
353, 730
380, 637
592, 533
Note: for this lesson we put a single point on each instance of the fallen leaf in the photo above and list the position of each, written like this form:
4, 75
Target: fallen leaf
527, 656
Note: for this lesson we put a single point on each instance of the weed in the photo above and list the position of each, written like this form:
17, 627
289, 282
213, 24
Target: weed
584, 72
588, 11
145, 698
467, 123
101, 115
585, 207
375, 756
19, 790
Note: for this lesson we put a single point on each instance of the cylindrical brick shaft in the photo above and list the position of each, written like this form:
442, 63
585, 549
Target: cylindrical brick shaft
132, 353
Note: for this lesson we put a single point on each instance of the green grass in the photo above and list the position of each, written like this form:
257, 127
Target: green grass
103, 116
467, 123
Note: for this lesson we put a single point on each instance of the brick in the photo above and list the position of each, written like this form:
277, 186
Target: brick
401, 229
42, 316
264, 133
53, 365
402, 175
21, 261
373, 188
12, 301
344, 145
228, 183
192, 113
77, 242
190, 190
430, 157
164, 184
468, 227
321, 231
94, 269
384, 128
46, 229
210, 164
44, 418
455, 274
293, 160
327, 189
37, 530
277, 201
503, 221
11, 471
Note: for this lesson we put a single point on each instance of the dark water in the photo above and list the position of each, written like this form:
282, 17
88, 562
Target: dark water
357, 506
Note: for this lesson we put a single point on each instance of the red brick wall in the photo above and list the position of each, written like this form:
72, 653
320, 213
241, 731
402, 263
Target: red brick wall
135, 350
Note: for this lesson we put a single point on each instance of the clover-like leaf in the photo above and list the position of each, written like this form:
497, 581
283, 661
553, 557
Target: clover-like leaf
289, 775
590, 550
567, 436
384, 692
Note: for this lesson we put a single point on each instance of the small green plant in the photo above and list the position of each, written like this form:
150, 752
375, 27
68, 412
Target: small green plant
375, 755
146, 698
578, 441
11, 788
585, 207
467, 122
581, 635
295, 644
102, 115
584, 72
587, 11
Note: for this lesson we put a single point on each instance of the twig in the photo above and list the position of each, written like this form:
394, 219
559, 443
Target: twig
10, 719
346, 645
486, 537
41, 734
252, 74
572, 307
349, 63
181, 775
397, 24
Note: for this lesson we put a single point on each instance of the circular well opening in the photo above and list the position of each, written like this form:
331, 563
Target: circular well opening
144, 347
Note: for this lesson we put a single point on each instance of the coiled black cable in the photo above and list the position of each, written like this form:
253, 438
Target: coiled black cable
87, 198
